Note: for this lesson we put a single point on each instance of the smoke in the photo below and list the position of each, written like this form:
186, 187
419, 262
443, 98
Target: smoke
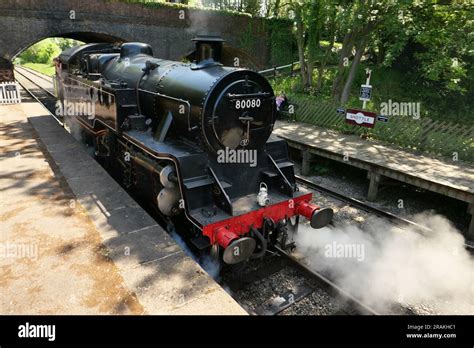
383, 265
210, 265
198, 22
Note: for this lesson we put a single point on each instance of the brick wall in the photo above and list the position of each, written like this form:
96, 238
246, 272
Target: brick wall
6, 71
26, 22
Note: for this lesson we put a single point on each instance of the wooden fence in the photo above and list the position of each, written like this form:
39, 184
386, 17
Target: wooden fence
9, 93
424, 134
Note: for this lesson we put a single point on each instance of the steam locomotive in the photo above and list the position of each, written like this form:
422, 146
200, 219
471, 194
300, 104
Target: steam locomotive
195, 140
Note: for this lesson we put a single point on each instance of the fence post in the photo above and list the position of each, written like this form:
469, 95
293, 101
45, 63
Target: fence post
291, 69
373, 186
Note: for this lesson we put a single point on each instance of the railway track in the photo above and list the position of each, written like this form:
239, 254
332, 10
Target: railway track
312, 282
41, 81
38, 92
308, 283
44, 77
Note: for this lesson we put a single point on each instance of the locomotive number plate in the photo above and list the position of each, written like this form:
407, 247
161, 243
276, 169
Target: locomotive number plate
248, 103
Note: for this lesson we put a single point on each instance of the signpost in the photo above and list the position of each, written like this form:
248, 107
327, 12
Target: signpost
361, 117
366, 90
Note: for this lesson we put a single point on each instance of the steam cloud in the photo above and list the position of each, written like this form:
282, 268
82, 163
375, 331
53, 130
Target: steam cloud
431, 274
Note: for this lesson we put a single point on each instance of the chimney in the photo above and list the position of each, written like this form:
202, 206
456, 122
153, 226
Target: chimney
208, 48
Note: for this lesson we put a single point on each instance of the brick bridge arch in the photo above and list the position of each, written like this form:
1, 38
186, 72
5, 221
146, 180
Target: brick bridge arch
169, 30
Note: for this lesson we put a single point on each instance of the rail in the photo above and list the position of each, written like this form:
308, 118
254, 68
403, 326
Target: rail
397, 220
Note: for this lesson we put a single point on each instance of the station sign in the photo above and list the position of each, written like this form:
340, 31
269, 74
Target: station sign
340, 110
361, 118
365, 92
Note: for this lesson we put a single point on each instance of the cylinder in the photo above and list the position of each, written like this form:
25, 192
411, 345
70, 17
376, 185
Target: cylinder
168, 176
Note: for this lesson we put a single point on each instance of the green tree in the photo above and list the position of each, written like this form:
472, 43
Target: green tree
313, 19
445, 33
362, 19
45, 50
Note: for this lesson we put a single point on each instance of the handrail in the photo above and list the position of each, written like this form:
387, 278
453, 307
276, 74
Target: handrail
278, 68
175, 99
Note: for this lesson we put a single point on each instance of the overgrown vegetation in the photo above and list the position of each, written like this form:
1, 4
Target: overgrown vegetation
195, 5
418, 52
281, 41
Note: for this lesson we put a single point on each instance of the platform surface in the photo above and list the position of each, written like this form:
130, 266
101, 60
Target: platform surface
88, 247
455, 174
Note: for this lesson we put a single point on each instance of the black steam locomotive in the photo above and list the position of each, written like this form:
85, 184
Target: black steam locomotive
195, 140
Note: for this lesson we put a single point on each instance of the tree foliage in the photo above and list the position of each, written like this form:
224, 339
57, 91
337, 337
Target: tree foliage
44, 51
428, 38
248, 6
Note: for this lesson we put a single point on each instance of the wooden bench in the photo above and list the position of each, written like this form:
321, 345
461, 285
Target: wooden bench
289, 112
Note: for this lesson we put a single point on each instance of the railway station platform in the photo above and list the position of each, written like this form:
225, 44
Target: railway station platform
454, 179
74, 242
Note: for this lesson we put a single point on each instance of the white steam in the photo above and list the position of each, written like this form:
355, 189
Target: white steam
384, 265
200, 23
209, 264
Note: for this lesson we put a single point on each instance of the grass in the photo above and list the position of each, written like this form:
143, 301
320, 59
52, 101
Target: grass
42, 68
